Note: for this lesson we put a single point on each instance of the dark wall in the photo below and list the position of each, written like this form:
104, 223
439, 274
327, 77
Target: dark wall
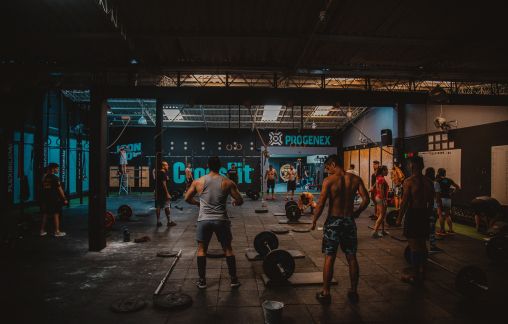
476, 143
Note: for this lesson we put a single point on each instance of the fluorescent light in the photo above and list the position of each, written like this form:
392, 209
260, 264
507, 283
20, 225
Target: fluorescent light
173, 114
271, 112
322, 111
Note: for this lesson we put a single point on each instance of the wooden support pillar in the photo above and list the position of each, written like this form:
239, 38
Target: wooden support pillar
98, 170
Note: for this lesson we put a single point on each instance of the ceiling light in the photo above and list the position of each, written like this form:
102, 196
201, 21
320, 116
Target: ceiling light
133, 61
322, 110
349, 113
142, 120
313, 125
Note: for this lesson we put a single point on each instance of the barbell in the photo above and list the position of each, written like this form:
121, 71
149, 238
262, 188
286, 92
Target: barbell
124, 214
278, 265
470, 281
293, 212
252, 194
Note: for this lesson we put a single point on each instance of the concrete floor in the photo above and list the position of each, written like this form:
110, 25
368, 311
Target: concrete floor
49, 280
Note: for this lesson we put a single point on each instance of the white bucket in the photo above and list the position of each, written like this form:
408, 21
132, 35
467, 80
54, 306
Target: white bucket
273, 311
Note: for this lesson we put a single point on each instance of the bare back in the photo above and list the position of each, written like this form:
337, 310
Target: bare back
342, 189
418, 192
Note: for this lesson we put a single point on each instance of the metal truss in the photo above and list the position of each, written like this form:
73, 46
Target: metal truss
180, 79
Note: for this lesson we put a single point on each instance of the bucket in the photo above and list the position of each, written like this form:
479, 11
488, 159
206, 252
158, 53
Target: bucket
273, 311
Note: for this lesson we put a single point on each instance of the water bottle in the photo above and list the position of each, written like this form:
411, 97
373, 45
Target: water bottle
126, 234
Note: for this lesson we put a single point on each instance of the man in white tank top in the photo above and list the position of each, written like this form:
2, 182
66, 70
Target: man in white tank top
213, 190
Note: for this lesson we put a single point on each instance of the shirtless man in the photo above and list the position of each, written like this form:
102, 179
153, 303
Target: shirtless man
416, 206
291, 182
306, 200
213, 190
270, 177
340, 227
188, 176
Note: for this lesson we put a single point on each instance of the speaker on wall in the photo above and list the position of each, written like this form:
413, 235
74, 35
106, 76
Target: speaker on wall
386, 137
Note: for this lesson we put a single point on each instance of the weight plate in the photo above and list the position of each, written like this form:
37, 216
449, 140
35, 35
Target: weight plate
262, 240
300, 230
278, 265
248, 192
128, 305
391, 217
254, 196
468, 279
172, 301
109, 220
290, 203
279, 230
261, 210
124, 212
497, 248
174, 195
407, 254
293, 213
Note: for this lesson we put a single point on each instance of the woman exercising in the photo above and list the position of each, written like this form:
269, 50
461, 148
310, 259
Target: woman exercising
381, 194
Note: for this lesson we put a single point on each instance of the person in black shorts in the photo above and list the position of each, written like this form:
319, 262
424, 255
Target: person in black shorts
188, 176
52, 199
417, 207
339, 229
233, 174
162, 196
270, 176
291, 184
213, 190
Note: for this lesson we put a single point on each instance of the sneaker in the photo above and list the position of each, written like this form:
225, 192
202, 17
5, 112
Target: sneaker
171, 224
43, 233
60, 234
235, 283
450, 232
353, 297
201, 283
385, 233
323, 299
376, 235
159, 224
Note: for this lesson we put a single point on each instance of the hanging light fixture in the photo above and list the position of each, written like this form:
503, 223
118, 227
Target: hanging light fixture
349, 113
142, 120
313, 125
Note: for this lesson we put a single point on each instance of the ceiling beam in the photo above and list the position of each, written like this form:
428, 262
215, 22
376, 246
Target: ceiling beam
281, 96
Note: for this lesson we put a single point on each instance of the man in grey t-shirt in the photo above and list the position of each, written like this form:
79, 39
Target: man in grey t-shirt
213, 190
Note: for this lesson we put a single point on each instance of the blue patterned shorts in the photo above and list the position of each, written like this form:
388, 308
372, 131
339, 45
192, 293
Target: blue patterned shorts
339, 231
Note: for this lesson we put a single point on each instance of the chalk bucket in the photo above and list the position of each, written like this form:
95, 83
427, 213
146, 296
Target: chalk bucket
273, 311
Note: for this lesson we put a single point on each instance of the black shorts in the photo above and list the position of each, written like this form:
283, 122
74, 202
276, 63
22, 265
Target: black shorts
417, 223
291, 185
51, 208
270, 183
222, 229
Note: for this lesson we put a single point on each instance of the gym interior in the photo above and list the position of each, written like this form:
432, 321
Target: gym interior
100, 95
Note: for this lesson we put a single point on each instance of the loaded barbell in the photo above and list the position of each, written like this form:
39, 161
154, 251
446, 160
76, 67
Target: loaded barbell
293, 212
470, 281
124, 214
278, 264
